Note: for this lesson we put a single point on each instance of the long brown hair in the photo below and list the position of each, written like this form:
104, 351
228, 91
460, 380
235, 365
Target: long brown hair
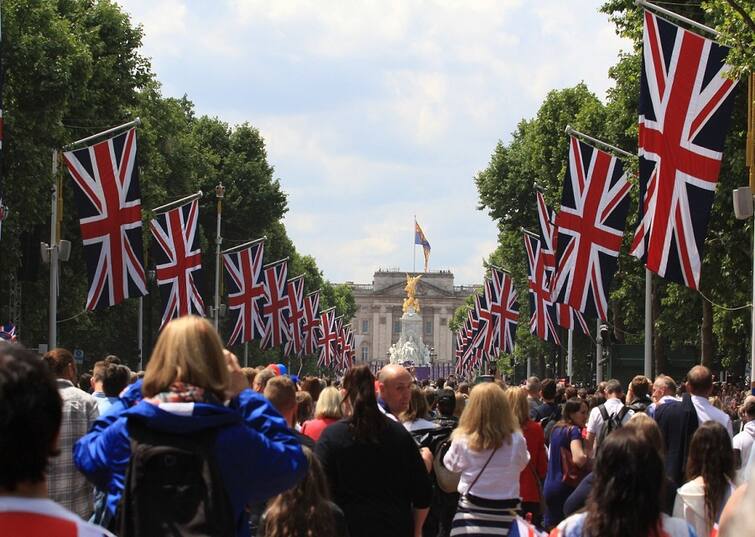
711, 457
366, 420
304, 510
626, 494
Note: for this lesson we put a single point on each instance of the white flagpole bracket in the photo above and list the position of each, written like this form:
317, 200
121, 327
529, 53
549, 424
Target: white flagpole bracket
134, 123
571, 131
676, 17
178, 203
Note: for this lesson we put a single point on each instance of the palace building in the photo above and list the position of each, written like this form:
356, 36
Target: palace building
377, 322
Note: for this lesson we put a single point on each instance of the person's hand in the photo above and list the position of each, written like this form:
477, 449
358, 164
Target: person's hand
427, 458
237, 381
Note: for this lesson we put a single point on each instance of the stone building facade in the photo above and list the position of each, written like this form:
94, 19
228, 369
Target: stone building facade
377, 322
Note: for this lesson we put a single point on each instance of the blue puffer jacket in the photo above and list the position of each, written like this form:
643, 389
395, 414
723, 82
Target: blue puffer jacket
257, 454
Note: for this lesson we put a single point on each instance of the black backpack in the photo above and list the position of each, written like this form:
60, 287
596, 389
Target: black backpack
173, 486
547, 423
610, 422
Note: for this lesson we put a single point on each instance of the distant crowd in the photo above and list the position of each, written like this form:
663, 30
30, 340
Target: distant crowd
196, 445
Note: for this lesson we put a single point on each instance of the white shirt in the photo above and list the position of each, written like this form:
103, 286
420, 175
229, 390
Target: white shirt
420, 424
707, 412
595, 421
743, 441
500, 480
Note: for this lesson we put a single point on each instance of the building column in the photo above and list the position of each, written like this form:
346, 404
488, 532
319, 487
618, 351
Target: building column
388, 331
375, 334
436, 332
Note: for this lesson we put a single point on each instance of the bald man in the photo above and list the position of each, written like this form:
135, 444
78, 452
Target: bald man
394, 389
700, 386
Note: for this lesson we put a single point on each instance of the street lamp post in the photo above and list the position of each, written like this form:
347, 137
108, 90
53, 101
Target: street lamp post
219, 195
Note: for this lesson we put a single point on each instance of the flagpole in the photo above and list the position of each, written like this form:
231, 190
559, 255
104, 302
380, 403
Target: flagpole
680, 18
598, 355
648, 369
570, 356
140, 332
134, 123
414, 250
52, 339
571, 131
173, 204
219, 195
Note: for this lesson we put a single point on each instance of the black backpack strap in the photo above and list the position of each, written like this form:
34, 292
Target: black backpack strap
603, 412
621, 413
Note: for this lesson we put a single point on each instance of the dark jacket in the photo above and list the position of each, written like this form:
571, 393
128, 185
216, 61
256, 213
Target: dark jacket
677, 421
375, 483
257, 454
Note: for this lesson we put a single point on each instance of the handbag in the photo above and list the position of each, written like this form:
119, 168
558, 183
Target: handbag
571, 473
447, 480
540, 493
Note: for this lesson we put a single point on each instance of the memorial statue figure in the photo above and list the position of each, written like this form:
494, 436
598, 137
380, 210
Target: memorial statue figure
411, 300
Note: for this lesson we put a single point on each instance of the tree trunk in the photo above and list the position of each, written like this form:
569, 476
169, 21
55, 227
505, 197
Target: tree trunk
706, 335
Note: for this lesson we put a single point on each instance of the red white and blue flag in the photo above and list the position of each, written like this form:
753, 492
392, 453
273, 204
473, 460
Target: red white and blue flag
685, 107
548, 235
327, 340
311, 327
505, 309
568, 318
486, 335
178, 261
348, 347
590, 227
340, 341
110, 217
542, 312
275, 307
246, 290
295, 344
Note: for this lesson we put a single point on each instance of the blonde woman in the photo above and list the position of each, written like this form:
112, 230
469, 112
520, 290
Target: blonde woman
532, 477
327, 412
490, 451
198, 408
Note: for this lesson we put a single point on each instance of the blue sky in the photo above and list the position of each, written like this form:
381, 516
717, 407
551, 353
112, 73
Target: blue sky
374, 111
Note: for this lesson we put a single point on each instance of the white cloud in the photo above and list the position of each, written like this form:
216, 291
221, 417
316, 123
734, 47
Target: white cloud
373, 111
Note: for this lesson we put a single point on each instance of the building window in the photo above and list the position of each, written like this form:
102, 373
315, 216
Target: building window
397, 326
365, 353
428, 327
366, 326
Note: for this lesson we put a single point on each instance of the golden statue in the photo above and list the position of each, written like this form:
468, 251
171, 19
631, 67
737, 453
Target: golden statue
411, 300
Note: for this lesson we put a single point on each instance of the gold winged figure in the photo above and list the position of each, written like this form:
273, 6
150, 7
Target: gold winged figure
411, 300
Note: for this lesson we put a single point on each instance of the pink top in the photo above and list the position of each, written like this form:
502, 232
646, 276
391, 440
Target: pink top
314, 428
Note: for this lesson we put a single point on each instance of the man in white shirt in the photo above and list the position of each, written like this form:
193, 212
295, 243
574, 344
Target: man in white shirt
613, 405
743, 441
700, 386
664, 390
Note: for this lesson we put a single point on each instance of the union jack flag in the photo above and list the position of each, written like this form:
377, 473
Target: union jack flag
594, 207
295, 292
505, 309
486, 335
347, 357
327, 341
340, 341
311, 328
8, 332
541, 308
275, 308
110, 217
178, 261
566, 316
243, 268
474, 353
548, 235
685, 107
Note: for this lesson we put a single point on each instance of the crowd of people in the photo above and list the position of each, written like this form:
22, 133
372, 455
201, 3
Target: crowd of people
197, 445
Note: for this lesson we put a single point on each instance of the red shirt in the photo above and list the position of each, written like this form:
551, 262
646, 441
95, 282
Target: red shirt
37, 517
314, 428
528, 487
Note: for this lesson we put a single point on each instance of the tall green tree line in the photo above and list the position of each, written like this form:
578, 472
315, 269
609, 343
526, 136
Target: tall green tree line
538, 152
73, 68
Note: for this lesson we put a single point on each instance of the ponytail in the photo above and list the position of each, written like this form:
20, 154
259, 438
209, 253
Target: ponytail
366, 420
